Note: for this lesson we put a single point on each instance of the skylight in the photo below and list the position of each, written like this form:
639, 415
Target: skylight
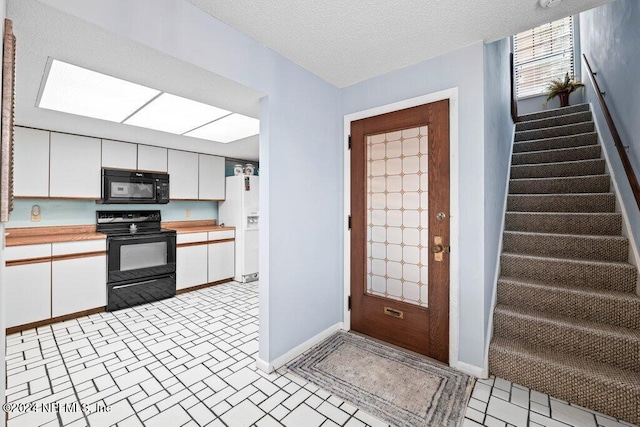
174, 114
227, 129
76, 90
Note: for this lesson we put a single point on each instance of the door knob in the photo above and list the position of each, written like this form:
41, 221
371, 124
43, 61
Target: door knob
438, 249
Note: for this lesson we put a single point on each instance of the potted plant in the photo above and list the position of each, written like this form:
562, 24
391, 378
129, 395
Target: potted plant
562, 88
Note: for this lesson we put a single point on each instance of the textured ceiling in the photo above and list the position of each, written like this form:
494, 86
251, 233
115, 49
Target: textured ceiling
345, 42
42, 32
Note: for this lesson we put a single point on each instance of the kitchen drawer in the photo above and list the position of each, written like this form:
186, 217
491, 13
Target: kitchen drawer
191, 237
222, 235
67, 248
12, 253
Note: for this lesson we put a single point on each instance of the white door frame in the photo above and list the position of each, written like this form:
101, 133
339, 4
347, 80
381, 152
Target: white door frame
454, 260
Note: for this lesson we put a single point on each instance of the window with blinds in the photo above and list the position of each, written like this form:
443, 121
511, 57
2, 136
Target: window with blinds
542, 54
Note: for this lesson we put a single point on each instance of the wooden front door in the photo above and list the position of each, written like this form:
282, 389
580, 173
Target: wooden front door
400, 228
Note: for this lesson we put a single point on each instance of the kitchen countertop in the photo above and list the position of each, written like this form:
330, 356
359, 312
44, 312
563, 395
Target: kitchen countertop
74, 233
43, 235
201, 226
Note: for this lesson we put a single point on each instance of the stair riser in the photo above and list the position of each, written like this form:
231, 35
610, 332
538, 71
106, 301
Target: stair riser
587, 184
556, 143
597, 345
563, 203
528, 135
582, 305
567, 119
590, 167
554, 113
564, 246
613, 277
607, 397
553, 156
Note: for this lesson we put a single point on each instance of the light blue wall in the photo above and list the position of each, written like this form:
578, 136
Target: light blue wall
300, 152
610, 37
498, 137
463, 69
75, 212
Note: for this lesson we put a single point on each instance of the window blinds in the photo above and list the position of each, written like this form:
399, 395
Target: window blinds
542, 54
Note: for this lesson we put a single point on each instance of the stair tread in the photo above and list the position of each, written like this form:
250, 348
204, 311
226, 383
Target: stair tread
556, 112
555, 127
556, 150
565, 213
560, 194
580, 236
577, 135
571, 322
602, 371
597, 292
554, 117
572, 260
578, 162
566, 178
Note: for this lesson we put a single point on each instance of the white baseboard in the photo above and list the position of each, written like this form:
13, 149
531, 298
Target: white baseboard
467, 368
263, 366
297, 351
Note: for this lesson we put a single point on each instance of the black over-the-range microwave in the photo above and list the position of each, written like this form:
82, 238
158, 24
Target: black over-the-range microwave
125, 186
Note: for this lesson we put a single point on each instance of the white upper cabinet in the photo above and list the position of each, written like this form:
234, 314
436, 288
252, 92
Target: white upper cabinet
152, 158
74, 166
31, 163
183, 175
211, 180
119, 155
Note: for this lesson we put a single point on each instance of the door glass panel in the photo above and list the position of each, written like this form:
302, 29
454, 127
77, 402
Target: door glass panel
398, 215
143, 255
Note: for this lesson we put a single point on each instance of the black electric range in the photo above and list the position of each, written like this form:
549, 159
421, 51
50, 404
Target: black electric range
141, 257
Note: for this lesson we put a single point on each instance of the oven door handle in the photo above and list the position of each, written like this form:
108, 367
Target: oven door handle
134, 284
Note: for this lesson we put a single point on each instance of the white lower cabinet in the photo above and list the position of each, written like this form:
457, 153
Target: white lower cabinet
78, 284
191, 266
27, 293
221, 261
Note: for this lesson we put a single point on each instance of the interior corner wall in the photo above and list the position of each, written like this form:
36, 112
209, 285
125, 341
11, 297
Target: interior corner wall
301, 151
498, 137
609, 37
463, 69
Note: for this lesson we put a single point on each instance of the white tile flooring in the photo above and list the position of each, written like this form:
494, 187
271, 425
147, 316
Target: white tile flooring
190, 361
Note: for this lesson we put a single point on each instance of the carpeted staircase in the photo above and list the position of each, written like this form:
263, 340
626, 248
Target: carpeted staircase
567, 319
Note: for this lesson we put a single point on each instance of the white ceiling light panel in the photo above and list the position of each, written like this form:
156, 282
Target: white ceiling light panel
174, 114
76, 90
228, 129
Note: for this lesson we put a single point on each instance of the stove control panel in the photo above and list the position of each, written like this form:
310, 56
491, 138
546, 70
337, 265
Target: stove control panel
106, 217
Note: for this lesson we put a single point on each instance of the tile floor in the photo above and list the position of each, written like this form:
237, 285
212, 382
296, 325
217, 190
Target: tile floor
190, 361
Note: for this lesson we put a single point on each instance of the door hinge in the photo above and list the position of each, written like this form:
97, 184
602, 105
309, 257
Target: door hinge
349, 303
349, 142
349, 222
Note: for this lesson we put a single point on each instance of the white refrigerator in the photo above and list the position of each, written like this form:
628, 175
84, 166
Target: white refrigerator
240, 210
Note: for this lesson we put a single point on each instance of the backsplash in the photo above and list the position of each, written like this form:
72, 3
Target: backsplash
83, 212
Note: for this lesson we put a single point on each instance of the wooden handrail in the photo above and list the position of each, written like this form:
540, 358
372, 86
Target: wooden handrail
514, 100
631, 176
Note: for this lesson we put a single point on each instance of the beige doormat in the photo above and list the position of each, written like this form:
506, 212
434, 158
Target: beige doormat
398, 387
